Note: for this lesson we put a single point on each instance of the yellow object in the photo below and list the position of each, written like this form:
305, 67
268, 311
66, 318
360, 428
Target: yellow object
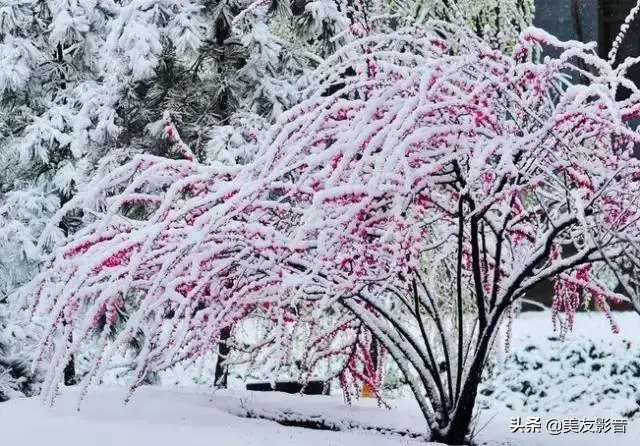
367, 391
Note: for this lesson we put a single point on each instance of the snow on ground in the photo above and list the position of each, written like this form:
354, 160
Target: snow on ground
163, 416
494, 430
169, 414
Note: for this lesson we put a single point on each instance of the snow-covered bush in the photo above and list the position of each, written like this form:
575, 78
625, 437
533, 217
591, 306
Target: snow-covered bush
551, 375
18, 337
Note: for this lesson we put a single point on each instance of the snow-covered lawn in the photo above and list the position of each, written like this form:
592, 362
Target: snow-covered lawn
164, 416
588, 325
170, 414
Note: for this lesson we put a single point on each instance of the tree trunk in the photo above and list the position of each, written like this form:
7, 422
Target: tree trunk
374, 355
69, 373
69, 369
223, 350
458, 429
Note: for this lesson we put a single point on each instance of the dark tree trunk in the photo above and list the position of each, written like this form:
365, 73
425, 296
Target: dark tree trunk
70, 368
457, 431
374, 354
69, 374
576, 18
223, 350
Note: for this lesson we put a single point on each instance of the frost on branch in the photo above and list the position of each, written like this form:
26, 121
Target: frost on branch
483, 167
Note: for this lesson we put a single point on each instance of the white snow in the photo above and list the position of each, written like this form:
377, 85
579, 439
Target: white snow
182, 412
164, 416
591, 325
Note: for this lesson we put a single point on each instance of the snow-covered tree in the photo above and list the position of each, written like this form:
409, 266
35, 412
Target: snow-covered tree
482, 164
235, 70
18, 337
23, 215
86, 83
499, 22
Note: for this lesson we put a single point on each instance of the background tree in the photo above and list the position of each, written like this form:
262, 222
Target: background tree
499, 22
18, 337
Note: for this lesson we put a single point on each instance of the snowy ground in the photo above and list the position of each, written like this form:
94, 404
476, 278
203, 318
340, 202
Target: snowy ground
168, 415
165, 416
591, 325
